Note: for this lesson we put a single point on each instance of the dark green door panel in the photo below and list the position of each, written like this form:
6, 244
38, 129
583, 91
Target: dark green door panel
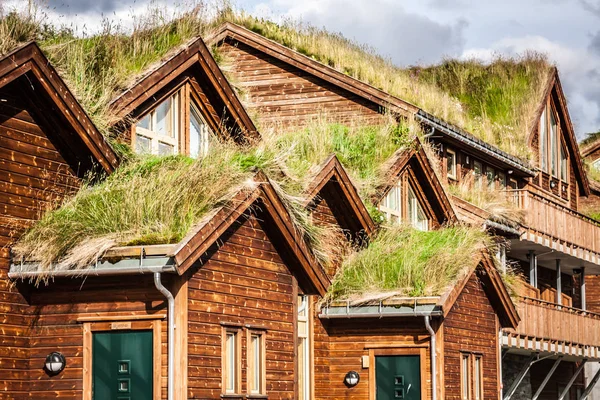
122, 365
398, 377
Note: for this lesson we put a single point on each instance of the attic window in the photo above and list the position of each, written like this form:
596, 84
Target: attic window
553, 156
165, 131
158, 131
397, 208
416, 215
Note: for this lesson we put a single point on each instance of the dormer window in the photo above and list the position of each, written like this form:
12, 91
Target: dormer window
403, 205
165, 131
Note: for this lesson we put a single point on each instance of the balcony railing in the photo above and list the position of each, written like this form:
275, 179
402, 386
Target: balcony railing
549, 219
553, 323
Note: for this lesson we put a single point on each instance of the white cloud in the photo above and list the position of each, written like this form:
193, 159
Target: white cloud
404, 37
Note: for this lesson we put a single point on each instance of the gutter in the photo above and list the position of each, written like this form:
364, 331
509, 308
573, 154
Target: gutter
381, 310
474, 142
433, 358
170, 336
74, 273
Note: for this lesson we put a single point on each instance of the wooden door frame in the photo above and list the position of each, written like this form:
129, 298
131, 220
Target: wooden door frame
404, 351
118, 324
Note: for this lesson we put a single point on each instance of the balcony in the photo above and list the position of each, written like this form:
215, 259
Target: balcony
551, 224
547, 327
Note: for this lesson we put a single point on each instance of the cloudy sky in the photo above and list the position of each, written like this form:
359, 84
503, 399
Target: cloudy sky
424, 31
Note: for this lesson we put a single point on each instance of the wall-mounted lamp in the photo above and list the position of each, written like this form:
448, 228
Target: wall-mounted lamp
351, 379
55, 363
510, 171
552, 184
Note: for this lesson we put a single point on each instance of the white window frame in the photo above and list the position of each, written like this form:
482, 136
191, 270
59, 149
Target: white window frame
414, 205
205, 133
231, 363
256, 357
393, 215
451, 155
173, 125
304, 344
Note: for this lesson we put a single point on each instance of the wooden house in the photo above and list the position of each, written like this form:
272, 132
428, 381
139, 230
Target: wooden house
554, 245
48, 143
232, 310
411, 347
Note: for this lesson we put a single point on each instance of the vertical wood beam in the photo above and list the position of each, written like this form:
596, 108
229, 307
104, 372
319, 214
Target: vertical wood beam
575, 375
583, 305
180, 290
558, 283
532, 268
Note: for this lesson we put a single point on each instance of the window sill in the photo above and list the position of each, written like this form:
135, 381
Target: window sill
257, 396
232, 396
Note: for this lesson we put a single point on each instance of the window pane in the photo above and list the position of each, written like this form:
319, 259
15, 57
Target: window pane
502, 179
543, 142
477, 172
489, 172
199, 134
162, 114
301, 369
145, 122
563, 164
451, 163
477, 372
464, 371
256, 360
165, 149
553, 144
230, 359
143, 145
416, 214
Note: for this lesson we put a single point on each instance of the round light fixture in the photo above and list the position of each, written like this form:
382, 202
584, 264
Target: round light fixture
352, 378
55, 363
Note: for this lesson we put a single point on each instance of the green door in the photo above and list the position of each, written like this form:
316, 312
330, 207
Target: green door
398, 377
122, 365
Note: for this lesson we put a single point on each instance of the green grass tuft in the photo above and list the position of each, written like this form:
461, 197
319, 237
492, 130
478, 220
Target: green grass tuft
403, 261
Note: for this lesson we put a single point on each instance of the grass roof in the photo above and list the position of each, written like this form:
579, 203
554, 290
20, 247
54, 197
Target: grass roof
403, 261
153, 200
493, 101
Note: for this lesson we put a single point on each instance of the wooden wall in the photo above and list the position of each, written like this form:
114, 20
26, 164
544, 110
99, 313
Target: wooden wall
56, 309
471, 326
340, 345
33, 177
243, 282
286, 95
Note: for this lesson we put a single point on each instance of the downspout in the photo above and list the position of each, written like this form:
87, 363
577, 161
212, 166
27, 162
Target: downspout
171, 334
433, 358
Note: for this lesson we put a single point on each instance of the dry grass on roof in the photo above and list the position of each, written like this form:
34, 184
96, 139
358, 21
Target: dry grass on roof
401, 261
494, 101
152, 200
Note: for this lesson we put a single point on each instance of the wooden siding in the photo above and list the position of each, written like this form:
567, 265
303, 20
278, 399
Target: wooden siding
471, 326
33, 177
554, 224
244, 282
55, 310
340, 345
286, 95
550, 322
